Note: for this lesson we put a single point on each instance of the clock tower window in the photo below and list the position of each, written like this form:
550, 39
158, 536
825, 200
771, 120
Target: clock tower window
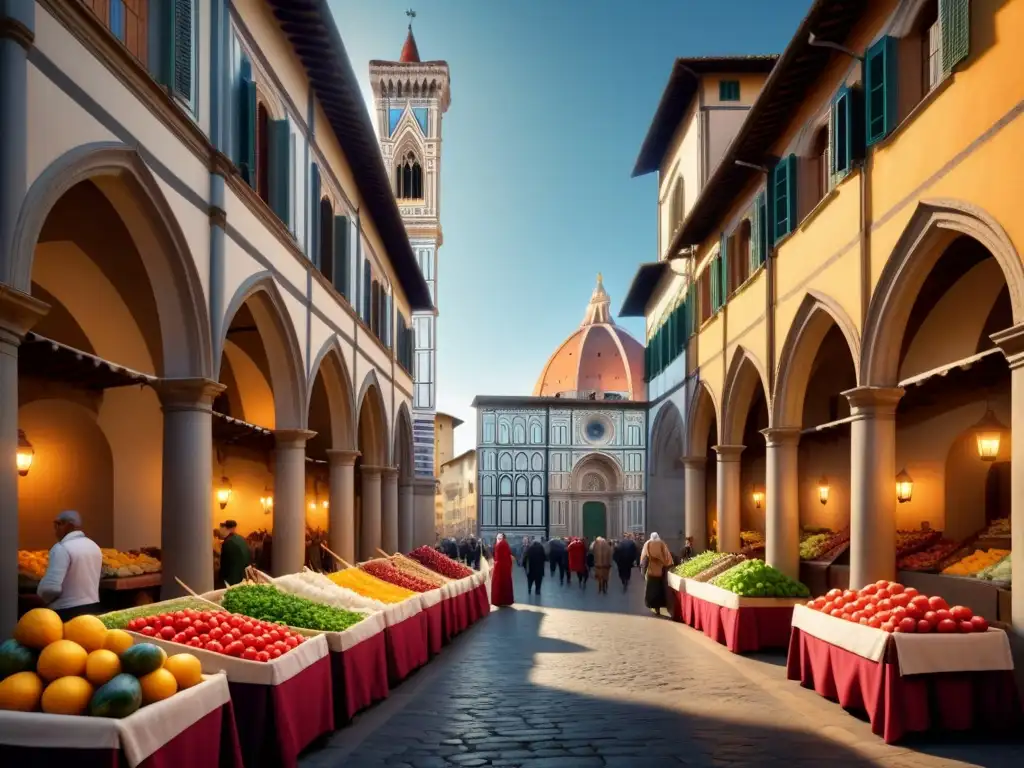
409, 178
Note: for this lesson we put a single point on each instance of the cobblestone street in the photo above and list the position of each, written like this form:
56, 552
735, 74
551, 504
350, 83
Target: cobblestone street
574, 679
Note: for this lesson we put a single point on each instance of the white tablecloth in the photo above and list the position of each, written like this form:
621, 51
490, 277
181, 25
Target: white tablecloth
139, 735
675, 581
723, 597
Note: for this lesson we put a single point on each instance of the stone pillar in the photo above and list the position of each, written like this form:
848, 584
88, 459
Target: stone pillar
406, 530
424, 529
186, 530
370, 523
1011, 341
341, 519
288, 553
872, 483
695, 502
18, 313
17, 36
729, 497
782, 500
389, 510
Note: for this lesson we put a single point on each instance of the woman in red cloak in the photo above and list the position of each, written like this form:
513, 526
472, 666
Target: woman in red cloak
501, 579
578, 561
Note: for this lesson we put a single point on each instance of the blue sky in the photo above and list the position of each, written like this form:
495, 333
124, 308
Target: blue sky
551, 100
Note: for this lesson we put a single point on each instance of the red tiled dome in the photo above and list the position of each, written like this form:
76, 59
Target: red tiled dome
410, 53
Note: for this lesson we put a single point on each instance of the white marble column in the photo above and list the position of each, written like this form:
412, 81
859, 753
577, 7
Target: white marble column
288, 554
695, 502
370, 522
872, 483
18, 313
728, 478
389, 510
186, 527
782, 500
1011, 341
341, 518
406, 535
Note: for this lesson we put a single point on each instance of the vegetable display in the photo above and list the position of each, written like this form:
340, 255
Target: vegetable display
385, 571
753, 578
440, 563
1000, 527
815, 548
908, 542
1001, 571
267, 603
82, 668
976, 562
696, 564
320, 589
370, 586
116, 564
121, 619
927, 559
413, 568
891, 607
719, 566
218, 632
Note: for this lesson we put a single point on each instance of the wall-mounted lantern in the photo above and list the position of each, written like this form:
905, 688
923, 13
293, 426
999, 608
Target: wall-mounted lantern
267, 500
26, 453
823, 490
904, 487
758, 497
223, 492
989, 432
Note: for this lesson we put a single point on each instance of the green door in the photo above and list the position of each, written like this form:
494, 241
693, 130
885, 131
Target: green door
594, 520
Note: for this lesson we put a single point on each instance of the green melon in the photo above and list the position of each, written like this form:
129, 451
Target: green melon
143, 658
117, 698
15, 657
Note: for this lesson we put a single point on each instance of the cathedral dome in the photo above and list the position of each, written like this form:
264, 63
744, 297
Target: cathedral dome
598, 361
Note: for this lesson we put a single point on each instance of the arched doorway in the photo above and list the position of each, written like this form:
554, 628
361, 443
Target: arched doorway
372, 443
701, 470
666, 486
597, 478
595, 520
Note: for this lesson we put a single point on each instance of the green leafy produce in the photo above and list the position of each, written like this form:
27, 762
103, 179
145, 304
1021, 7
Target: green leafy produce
695, 565
754, 578
721, 565
120, 619
1001, 571
267, 603
811, 547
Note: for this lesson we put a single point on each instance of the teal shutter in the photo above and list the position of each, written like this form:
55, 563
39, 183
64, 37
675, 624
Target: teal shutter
841, 149
768, 231
386, 329
279, 139
756, 227
880, 86
367, 286
245, 154
955, 23
176, 25
314, 214
341, 265
723, 266
712, 277
791, 192
784, 197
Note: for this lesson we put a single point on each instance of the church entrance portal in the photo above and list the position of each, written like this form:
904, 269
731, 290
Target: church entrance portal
594, 520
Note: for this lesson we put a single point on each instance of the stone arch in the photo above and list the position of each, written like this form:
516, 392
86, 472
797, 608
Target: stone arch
817, 313
123, 177
402, 451
667, 439
602, 465
932, 227
704, 412
284, 356
372, 420
331, 363
744, 376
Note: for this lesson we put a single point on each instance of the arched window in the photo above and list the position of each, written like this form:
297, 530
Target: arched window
677, 204
505, 486
263, 152
503, 432
538, 486
327, 239
505, 461
522, 463
537, 462
536, 434
522, 486
518, 432
409, 178
488, 485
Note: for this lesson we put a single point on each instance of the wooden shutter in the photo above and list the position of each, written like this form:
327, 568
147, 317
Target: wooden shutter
955, 23
279, 135
779, 205
723, 266
880, 86
756, 226
176, 48
341, 268
314, 214
839, 139
245, 155
367, 282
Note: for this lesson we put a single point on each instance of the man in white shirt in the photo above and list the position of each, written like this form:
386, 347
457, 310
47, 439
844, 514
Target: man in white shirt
71, 586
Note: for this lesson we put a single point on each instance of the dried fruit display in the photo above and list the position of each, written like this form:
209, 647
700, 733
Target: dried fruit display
440, 563
413, 568
891, 607
385, 571
991, 572
751, 538
908, 542
976, 562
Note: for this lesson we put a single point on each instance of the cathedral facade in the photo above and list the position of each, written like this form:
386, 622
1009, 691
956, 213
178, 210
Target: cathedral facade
569, 460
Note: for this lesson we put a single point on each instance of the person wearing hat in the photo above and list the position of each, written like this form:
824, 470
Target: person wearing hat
234, 554
71, 585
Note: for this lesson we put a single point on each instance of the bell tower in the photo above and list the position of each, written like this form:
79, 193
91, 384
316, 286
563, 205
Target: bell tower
411, 97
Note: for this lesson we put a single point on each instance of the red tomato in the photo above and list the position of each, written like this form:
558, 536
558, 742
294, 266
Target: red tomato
836, 612
195, 642
274, 635
250, 654
895, 588
299, 639
870, 589
167, 632
201, 627
179, 638
884, 616
980, 623
884, 604
248, 640
235, 621
875, 622
961, 613
924, 626
235, 648
919, 600
943, 614
901, 600
883, 594
912, 592
259, 643
262, 656
216, 633
937, 603
818, 603
214, 647
915, 612
907, 624
946, 625
966, 626
870, 610
888, 627
832, 594
204, 638
236, 633
931, 616
148, 631
213, 621
275, 653
899, 613
247, 627
190, 632
882, 584
863, 620
857, 616
291, 641
827, 607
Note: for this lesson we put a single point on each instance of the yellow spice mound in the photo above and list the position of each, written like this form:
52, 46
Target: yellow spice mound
362, 583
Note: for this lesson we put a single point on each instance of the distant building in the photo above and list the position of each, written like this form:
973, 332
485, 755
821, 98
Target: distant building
458, 490
444, 449
569, 460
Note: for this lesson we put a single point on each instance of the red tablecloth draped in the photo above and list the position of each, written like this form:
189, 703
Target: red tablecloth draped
448, 619
406, 647
675, 603
435, 632
193, 747
898, 705
483, 603
360, 677
741, 630
461, 612
276, 722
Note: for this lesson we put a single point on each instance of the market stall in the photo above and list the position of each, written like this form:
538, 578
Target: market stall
674, 587
908, 674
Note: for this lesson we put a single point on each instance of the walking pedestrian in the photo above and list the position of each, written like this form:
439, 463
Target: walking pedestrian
601, 551
501, 581
624, 555
578, 561
534, 560
556, 551
654, 558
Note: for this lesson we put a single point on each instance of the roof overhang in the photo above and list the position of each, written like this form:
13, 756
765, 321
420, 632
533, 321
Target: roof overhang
676, 98
310, 28
642, 288
800, 65
456, 421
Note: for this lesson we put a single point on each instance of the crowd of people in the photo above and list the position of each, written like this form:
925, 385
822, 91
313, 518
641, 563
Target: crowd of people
575, 556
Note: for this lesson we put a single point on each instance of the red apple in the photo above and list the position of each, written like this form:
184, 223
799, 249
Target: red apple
980, 623
946, 626
906, 624
966, 627
937, 603
961, 613
924, 626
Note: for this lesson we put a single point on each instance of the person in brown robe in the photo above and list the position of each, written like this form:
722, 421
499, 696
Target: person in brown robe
602, 552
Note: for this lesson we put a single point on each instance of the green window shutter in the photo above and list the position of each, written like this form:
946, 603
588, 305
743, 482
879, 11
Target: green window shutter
279, 139
176, 27
340, 269
728, 90
245, 155
880, 86
779, 204
955, 23
723, 266
756, 227
791, 192
841, 149
314, 214
712, 285
367, 283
